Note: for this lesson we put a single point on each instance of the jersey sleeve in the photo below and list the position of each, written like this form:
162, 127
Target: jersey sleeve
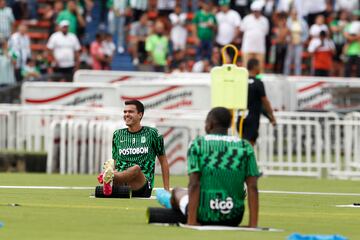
251, 168
193, 158
260, 88
159, 144
114, 148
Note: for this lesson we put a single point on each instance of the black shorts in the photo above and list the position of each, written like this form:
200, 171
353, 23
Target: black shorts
250, 129
144, 192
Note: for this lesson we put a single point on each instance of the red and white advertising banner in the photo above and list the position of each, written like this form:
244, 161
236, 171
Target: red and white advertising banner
154, 94
105, 76
323, 93
189, 91
313, 96
168, 95
69, 94
279, 99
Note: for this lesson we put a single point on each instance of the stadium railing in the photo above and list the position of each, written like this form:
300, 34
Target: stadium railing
346, 150
78, 139
292, 148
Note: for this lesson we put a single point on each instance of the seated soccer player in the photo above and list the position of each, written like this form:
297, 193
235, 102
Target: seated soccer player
134, 150
218, 167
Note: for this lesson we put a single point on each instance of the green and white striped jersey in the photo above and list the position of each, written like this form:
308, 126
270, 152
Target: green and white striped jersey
224, 162
139, 148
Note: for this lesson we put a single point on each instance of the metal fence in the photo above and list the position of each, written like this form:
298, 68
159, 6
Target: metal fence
78, 139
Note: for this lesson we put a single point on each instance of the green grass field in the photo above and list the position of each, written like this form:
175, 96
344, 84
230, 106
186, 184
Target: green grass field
71, 214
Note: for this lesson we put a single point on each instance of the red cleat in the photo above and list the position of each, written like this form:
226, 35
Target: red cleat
107, 178
100, 178
107, 189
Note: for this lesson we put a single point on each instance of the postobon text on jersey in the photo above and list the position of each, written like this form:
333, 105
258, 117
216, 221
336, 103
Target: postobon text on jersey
133, 151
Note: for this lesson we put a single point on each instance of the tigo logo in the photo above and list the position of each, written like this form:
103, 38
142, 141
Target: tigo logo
224, 206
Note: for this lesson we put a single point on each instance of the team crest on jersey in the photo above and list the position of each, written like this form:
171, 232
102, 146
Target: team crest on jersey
143, 139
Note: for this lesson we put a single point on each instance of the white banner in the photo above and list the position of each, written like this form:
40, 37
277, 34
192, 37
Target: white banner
189, 91
168, 95
154, 95
105, 76
69, 94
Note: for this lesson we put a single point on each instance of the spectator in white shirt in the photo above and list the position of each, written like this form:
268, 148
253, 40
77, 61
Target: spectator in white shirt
6, 64
318, 26
322, 50
255, 27
19, 42
6, 20
299, 33
229, 22
64, 47
108, 48
178, 32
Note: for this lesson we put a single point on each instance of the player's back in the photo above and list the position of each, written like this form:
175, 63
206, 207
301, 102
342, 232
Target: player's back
224, 163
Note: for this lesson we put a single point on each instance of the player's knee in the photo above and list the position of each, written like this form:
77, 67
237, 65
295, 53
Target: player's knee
178, 192
175, 190
136, 168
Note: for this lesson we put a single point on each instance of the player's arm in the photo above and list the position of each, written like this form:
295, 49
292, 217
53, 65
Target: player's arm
194, 195
194, 171
252, 174
253, 200
165, 171
114, 148
267, 105
160, 152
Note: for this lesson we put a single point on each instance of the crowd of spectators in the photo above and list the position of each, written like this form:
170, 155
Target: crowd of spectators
300, 37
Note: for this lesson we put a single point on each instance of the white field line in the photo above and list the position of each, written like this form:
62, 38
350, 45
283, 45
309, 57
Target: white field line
261, 191
348, 206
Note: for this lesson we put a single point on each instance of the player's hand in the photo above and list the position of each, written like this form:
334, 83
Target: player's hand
273, 121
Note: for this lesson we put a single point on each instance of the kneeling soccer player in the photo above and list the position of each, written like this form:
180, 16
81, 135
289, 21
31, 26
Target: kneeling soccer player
218, 167
134, 150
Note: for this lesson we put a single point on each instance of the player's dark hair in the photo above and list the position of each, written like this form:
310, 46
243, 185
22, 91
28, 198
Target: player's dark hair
221, 116
139, 106
252, 63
